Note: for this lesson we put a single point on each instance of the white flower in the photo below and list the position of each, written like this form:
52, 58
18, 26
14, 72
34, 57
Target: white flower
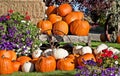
116, 62
23, 21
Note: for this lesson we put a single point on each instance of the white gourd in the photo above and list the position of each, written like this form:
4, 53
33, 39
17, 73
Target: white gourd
100, 48
28, 67
60, 53
114, 50
37, 53
85, 50
48, 52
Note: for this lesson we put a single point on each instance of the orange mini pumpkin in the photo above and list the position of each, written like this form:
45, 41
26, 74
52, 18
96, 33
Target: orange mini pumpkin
60, 28
45, 26
23, 59
80, 28
16, 66
65, 64
118, 39
85, 57
54, 18
64, 9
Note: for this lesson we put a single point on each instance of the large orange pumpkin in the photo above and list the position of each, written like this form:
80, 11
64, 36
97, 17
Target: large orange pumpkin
45, 26
6, 66
64, 9
23, 59
54, 18
8, 54
66, 64
51, 10
87, 56
60, 28
73, 16
80, 28
45, 64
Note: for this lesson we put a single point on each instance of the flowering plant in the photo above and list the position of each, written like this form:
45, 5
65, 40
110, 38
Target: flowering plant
92, 69
108, 59
18, 33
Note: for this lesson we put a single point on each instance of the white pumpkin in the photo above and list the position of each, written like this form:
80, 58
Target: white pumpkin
85, 50
100, 48
28, 67
77, 49
114, 50
37, 53
48, 52
60, 53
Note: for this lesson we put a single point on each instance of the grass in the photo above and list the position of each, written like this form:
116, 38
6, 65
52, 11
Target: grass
94, 44
55, 73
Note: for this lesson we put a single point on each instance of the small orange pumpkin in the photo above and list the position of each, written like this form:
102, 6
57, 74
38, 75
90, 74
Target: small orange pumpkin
118, 39
80, 28
60, 28
16, 66
51, 10
45, 64
45, 26
54, 18
6, 66
65, 64
64, 9
23, 59
87, 56
74, 57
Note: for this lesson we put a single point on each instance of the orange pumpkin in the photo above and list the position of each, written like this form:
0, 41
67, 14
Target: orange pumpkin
64, 9
16, 66
73, 16
74, 57
60, 28
8, 54
65, 64
87, 56
34, 60
6, 66
45, 64
118, 39
54, 18
80, 28
45, 26
51, 10
23, 59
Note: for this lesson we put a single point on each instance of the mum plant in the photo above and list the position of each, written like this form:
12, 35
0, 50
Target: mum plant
18, 33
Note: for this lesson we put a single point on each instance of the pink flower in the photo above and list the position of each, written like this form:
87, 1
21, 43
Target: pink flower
105, 51
27, 17
115, 57
10, 11
109, 54
99, 61
8, 17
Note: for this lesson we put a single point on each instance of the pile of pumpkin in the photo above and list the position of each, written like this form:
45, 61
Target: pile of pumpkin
50, 59
62, 20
